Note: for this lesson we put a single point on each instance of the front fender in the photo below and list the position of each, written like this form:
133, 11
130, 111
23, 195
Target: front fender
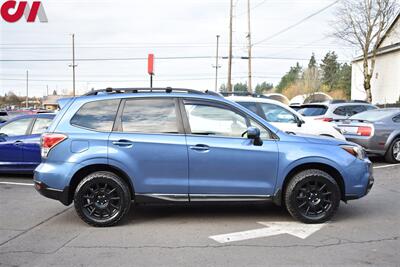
284, 172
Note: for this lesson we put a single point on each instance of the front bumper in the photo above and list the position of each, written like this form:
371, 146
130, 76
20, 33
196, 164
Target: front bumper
60, 195
370, 183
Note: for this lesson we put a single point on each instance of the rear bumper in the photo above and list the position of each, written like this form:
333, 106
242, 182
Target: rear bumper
60, 195
369, 144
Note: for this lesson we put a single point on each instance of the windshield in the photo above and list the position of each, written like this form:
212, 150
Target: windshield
316, 110
375, 115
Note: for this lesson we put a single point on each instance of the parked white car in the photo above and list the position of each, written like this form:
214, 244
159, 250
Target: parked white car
285, 118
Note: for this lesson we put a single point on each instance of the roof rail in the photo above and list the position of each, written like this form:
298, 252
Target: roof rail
110, 90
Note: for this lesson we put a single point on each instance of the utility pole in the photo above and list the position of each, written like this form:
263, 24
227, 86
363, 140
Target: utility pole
47, 90
216, 65
229, 84
249, 88
27, 90
73, 64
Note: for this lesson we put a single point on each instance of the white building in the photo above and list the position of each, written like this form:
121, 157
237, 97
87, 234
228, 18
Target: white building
385, 83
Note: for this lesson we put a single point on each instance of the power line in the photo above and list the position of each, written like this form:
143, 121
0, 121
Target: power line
102, 59
159, 58
296, 24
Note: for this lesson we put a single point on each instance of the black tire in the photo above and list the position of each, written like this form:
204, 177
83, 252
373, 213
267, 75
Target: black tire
102, 199
312, 196
391, 154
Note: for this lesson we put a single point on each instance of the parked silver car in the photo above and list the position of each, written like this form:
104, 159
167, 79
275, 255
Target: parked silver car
378, 131
334, 109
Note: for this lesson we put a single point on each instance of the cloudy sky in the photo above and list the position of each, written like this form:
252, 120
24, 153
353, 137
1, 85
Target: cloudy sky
130, 29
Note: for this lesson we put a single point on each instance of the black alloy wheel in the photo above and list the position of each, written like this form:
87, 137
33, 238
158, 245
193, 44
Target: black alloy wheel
312, 196
102, 199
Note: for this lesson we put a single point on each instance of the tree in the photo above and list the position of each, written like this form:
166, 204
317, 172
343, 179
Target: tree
312, 63
263, 87
362, 23
240, 87
330, 70
344, 80
289, 78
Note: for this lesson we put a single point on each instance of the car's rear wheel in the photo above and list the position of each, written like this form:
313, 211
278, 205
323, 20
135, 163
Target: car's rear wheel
312, 196
102, 199
393, 153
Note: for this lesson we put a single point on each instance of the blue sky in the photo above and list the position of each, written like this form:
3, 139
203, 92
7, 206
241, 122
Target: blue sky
174, 28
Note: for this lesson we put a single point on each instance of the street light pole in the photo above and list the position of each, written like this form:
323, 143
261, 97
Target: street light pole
216, 65
229, 84
73, 65
249, 86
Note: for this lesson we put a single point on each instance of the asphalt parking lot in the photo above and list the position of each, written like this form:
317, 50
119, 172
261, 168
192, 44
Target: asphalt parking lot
35, 231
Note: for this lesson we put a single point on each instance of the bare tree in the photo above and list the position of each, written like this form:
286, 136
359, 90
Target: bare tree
362, 23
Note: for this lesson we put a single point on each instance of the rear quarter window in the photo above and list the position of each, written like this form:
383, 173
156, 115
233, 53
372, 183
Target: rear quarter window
97, 115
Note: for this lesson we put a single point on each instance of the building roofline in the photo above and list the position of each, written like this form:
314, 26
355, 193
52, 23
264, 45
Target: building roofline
389, 29
381, 51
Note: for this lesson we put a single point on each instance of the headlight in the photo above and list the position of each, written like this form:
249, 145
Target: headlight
356, 151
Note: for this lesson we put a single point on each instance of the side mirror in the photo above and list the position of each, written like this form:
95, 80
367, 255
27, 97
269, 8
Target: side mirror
299, 122
254, 133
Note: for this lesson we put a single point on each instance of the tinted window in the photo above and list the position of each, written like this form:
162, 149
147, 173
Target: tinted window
18, 127
218, 121
150, 116
249, 106
313, 110
353, 110
275, 113
341, 111
97, 115
41, 124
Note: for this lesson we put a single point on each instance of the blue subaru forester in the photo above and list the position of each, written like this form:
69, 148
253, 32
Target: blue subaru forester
113, 147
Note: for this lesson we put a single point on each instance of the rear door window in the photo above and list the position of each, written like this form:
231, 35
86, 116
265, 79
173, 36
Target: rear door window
150, 116
97, 115
41, 125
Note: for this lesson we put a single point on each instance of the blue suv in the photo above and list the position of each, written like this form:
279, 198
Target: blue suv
113, 147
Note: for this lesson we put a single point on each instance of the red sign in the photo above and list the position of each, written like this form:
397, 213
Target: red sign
150, 64
12, 11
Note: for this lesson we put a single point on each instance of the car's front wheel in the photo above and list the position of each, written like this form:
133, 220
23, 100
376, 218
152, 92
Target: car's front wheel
102, 199
393, 153
312, 196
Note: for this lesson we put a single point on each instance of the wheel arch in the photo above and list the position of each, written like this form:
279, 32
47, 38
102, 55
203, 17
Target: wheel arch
86, 170
332, 171
391, 138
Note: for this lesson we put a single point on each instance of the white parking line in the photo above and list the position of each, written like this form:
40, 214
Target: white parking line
11, 183
386, 166
297, 229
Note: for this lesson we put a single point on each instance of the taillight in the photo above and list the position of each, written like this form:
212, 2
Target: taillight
364, 131
49, 141
325, 119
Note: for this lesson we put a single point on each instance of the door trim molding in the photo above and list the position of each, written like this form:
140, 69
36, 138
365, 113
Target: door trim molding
206, 197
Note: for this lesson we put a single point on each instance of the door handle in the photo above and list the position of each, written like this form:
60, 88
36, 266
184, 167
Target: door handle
200, 148
18, 143
123, 143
